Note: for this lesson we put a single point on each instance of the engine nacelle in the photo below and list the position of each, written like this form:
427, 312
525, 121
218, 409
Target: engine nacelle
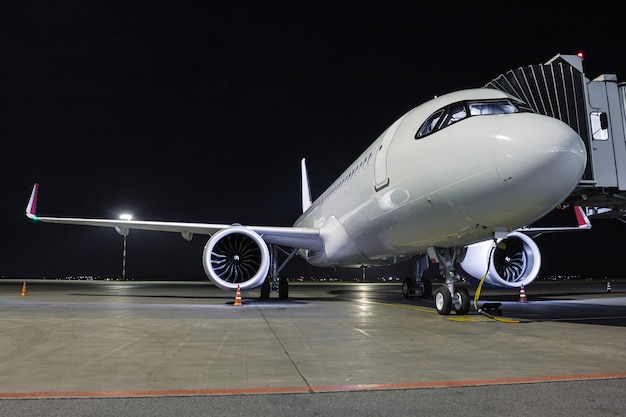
512, 262
236, 256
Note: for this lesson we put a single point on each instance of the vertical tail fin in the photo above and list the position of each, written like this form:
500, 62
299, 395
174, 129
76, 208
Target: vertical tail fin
306, 190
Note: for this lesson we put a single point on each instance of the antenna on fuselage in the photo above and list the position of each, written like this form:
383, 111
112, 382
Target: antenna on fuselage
306, 190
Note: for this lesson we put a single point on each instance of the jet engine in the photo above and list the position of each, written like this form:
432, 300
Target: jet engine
508, 263
236, 256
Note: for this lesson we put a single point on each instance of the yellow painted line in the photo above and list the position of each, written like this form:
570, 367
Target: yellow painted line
467, 318
478, 318
406, 307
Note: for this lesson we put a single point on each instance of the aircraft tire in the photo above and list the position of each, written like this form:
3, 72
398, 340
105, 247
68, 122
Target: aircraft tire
443, 301
283, 288
428, 288
408, 287
265, 289
463, 305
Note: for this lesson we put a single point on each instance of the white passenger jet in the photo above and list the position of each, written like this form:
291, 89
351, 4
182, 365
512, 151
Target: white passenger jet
455, 181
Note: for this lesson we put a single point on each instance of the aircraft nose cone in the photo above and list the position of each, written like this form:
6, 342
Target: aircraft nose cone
542, 152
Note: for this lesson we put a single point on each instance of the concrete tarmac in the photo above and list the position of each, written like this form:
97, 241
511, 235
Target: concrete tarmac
182, 348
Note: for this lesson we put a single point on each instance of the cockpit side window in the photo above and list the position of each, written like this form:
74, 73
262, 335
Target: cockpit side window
455, 114
430, 124
459, 111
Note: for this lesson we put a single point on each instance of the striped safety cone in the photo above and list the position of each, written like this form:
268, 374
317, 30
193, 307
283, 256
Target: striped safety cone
238, 297
522, 294
608, 287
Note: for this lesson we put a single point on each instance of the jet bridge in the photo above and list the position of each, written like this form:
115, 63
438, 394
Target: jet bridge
596, 109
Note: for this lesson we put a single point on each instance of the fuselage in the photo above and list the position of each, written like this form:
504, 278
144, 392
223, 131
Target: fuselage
450, 172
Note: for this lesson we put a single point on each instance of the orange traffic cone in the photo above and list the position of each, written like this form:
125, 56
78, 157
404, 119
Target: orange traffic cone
24, 289
608, 287
522, 294
238, 297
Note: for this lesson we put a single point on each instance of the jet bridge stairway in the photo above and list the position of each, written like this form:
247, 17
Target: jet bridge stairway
596, 109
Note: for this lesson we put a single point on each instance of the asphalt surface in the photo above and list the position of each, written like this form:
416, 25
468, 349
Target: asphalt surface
94, 348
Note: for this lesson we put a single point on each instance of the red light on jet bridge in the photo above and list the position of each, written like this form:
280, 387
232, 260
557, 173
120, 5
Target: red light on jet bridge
581, 55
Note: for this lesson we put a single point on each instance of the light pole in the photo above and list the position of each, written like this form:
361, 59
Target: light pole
127, 217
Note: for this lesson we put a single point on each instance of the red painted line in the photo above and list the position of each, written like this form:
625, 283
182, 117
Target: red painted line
315, 389
470, 383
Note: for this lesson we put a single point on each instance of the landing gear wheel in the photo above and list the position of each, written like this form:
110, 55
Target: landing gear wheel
443, 301
283, 288
462, 303
408, 287
428, 287
265, 289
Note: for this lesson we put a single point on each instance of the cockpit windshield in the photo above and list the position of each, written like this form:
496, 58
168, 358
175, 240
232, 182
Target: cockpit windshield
458, 111
494, 107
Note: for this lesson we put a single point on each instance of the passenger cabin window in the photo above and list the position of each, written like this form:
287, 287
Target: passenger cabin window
458, 111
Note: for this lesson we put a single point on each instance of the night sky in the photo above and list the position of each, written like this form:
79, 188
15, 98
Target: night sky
201, 112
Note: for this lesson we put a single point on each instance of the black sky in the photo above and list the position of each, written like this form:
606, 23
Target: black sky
202, 111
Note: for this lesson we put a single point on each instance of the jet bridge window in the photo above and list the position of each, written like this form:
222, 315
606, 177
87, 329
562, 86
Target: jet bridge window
599, 126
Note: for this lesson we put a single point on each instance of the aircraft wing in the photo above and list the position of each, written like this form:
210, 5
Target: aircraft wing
581, 219
297, 237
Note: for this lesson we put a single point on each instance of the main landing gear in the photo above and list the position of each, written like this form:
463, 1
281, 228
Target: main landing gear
273, 282
418, 285
281, 285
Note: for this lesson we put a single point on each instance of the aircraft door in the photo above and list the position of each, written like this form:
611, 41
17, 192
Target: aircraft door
381, 179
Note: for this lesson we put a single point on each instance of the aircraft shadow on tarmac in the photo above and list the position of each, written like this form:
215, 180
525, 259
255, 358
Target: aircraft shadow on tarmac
179, 297
228, 299
582, 307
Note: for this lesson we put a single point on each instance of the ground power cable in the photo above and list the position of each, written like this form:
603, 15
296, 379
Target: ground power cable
477, 295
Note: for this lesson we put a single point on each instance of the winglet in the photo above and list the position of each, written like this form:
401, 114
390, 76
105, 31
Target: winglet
581, 218
31, 209
306, 190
